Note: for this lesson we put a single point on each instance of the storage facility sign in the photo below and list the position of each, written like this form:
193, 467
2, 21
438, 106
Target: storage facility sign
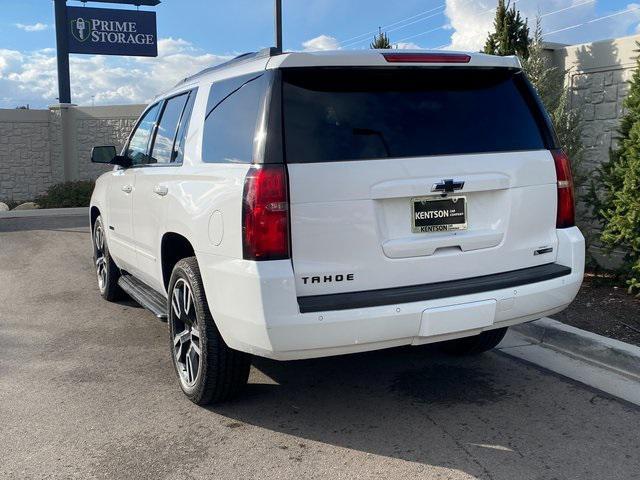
104, 31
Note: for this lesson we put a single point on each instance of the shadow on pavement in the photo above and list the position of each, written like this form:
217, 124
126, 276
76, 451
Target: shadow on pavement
475, 414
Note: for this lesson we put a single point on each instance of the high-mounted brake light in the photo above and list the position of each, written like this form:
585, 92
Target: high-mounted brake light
265, 213
566, 208
426, 57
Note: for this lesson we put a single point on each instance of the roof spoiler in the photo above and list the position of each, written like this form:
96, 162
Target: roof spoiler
245, 57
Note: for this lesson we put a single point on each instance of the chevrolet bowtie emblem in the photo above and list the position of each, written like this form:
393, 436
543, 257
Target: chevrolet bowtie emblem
447, 186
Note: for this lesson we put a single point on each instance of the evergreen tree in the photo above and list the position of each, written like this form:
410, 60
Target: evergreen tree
547, 79
491, 45
511, 35
549, 82
381, 40
615, 190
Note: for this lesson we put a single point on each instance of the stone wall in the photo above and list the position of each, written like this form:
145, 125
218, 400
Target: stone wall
25, 156
39, 148
100, 126
599, 96
598, 74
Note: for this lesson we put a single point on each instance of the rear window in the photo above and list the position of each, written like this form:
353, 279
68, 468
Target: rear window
233, 112
357, 114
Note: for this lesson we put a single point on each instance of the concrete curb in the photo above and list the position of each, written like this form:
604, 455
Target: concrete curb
619, 357
46, 212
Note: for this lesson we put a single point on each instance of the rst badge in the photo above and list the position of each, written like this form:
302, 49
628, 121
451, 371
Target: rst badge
429, 214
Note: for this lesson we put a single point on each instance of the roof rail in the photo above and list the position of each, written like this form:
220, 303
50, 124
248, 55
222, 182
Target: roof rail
245, 57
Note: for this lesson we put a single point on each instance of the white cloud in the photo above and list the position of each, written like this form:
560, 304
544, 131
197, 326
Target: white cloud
9, 60
472, 21
31, 77
34, 27
322, 42
169, 46
407, 46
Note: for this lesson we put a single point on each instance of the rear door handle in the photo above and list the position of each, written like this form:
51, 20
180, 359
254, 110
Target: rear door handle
161, 190
127, 188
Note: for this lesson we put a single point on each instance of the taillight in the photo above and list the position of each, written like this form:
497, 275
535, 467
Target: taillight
566, 208
265, 213
426, 57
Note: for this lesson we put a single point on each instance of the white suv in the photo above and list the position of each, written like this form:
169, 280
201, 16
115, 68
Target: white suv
304, 205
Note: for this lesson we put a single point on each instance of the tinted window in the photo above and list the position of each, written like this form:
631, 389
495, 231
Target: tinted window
222, 89
163, 144
230, 125
139, 143
339, 114
183, 128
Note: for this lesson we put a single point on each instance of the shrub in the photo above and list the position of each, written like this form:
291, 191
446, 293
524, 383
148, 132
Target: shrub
549, 82
67, 195
614, 193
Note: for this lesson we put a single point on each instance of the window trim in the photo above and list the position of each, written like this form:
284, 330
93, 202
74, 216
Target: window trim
193, 92
273, 123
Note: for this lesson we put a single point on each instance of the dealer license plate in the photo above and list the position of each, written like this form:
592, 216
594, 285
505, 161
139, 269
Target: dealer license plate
429, 214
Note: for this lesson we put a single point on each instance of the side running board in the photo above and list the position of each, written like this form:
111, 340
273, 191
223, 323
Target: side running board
144, 295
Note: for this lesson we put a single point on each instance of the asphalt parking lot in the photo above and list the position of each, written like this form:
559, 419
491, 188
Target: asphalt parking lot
87, 391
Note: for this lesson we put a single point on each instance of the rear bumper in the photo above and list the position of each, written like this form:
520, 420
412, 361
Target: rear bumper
432, 291
256, 308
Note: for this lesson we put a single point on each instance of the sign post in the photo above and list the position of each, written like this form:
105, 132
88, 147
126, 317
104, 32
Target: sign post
278, 25
102, 31
62, 46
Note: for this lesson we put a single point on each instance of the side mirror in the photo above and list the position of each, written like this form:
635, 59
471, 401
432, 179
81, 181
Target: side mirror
107, 155
103, 154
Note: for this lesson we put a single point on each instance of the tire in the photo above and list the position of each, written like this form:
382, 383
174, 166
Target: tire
207, 369
107, 271
476, 344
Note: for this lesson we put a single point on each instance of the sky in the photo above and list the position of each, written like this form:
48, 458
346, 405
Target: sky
195, 34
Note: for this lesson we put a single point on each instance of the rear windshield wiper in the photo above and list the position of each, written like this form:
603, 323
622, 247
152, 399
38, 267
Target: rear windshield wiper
375, 133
